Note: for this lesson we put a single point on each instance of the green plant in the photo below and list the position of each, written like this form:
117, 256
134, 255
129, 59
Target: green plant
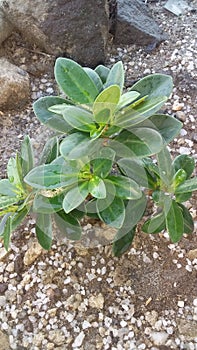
101, 161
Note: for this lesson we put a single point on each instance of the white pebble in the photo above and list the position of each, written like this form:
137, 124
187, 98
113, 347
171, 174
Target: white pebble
123, 323
181, 303
195, 302
78, 340
159, 338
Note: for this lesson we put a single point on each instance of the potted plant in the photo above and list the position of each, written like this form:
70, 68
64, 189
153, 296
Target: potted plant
108, 156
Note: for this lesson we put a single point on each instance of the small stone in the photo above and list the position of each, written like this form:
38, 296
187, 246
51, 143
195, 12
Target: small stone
192, 254
195, 302
32, 253
78, 340
3, 287
10, 267
123, 323
159, 338
184, 150
96, 301
2, 301
181, 116
180, 303
56, 336
177, 106
4, 341
86, 324
3, 253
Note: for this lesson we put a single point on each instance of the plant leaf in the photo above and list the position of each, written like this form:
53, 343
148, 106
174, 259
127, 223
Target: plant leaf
187, 186
47, 205
74, 81
134, 169
185, 162
50, 151
68, 225
102, 162
113, 214
122, 244
7, 188
154, 85
103, 72
168, 126
187, 219
78, 145
116, 76
51, 176
19, 216
97, 187
131, 115
141, 142
125, 187
6, 201
166, 171
50, 119
155, 224
44, 230
106, 100
7, 232
127, 98
74, 197
3, 222
94, 76
27, 157
14, 172
174, 219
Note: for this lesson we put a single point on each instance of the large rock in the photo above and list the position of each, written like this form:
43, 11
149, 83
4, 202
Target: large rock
78, 28
5, 28
135, 25
14, 86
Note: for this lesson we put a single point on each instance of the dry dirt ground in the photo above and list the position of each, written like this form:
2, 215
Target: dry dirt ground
77, 298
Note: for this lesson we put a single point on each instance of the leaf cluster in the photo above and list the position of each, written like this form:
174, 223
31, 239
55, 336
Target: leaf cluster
100, 160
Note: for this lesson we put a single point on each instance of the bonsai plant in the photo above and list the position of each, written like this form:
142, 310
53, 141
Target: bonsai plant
107, 156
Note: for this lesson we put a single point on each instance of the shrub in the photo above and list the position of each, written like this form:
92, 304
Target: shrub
108, 155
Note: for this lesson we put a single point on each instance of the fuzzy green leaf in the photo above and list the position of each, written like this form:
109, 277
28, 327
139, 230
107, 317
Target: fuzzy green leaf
47, 205
94, 76
97, 187
7, 188
155, 224
74, 81
27, 157
116, 76
50, 151
50, 119
106, 100
7, 232
154, 85
168, 126
113, 214
6, 201
3, 222
130, 116
74, 197
78, 118
103, 72
68, 225
51, 176
19, 216
134, 169
166, 171
78, 145
141, 142
102, 162
188, 186
174, 220
185, 162
122, 244
127, 98
125, 187
44, 230
187, 219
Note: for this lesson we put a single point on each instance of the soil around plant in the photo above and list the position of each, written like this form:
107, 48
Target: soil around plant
74, 297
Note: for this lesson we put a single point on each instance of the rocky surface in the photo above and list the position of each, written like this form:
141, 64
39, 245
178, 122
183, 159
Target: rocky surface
75, 297
135, 25
79, 28
14, 86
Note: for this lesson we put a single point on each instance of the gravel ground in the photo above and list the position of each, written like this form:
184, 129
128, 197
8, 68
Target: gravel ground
83, 298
